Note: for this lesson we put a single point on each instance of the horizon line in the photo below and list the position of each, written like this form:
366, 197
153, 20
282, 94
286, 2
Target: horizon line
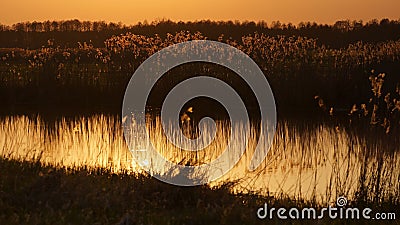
160, 20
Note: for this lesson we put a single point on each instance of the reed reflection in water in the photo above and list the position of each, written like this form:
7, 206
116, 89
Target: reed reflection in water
311, 161
90, 142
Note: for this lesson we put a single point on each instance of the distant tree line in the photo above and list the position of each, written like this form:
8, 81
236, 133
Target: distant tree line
67, 34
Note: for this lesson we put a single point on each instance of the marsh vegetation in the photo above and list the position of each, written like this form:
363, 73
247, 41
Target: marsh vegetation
62, 146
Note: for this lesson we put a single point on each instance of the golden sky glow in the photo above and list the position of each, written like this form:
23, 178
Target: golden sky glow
133, 11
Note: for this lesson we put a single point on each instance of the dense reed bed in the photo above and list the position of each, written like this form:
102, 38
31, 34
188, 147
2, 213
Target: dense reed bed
33, 193
98, 76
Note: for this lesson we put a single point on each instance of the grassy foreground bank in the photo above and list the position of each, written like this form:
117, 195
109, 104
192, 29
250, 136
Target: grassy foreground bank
31, 193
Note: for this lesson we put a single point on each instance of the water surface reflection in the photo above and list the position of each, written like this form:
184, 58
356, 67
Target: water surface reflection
315, 161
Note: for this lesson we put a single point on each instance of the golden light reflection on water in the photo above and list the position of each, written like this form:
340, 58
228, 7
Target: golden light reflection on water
92, 142
317, 162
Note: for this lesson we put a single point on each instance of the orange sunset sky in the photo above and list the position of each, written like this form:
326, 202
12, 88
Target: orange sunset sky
133, 11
